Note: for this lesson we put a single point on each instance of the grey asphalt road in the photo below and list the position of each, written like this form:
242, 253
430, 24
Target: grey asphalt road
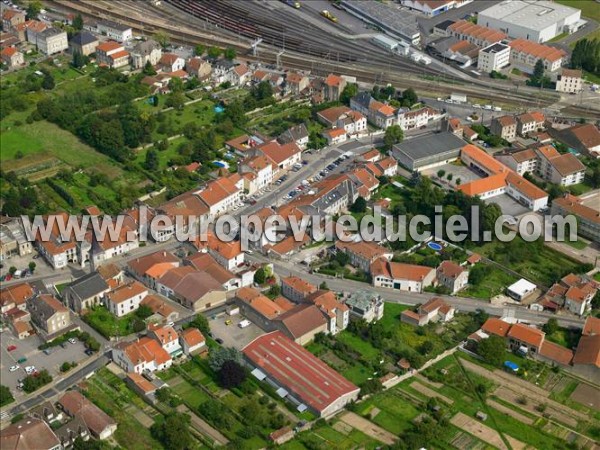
410, 298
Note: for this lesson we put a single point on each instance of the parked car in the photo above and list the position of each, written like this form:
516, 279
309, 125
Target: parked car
10, 348
72, 341
219, 340
21, 360
29, 370
14, 368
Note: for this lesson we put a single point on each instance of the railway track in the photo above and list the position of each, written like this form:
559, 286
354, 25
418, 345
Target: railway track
147, 20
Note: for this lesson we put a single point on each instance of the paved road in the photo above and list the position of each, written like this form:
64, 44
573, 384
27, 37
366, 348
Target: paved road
466, 304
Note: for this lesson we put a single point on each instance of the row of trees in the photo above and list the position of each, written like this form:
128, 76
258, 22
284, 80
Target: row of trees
586, 55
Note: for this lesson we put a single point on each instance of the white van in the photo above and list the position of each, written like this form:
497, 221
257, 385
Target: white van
244, 323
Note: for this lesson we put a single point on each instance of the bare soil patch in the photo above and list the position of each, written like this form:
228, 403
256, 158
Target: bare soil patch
369, 428
510, 412
419, 387
587, 395
485, 433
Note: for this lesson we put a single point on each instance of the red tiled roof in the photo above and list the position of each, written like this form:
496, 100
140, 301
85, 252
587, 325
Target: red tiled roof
591, 327
450, 269
192, 336
556, 353
540, 51
304, 375
108, 46
526, 334
126, 291
588, 351
299, 285
477, 31
495, 326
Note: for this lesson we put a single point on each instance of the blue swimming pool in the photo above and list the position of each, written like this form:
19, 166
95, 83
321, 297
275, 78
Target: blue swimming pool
221, 164
219, 109
434, 246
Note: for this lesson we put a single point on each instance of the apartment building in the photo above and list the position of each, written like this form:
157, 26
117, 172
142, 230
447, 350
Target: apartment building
52, 41
569, 81
505, 127
493, 57
588, 218
112, 54
525, 54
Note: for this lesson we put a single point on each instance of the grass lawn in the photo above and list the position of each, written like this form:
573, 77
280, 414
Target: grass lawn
105, 323
391, 315
492, 285
43, 142
588, 8
112, 395
358, 344
580, 188
597, 276
201, 113
163, 156
578, 244
395, 412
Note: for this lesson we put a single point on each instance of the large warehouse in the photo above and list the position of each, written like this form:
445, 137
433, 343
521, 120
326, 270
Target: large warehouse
428, 151
534, 20
299, 376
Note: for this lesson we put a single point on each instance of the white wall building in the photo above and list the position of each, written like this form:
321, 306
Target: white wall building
570, 80
493, 57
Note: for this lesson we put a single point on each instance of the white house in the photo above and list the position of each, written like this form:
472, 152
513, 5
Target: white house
116, 31
144, 354
404, 277
126, 298
168, 338
452, 276
192, 341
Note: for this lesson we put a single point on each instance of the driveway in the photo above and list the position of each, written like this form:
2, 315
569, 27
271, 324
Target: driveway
232, 335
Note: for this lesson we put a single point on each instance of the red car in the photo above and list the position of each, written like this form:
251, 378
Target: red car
10, 348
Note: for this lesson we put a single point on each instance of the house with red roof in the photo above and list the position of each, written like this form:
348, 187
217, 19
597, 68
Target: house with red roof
100, 424
336, 313
150, 268
333, 87
302, 377
194, 289
143, 354
126, 298
222, 194
573, 293
363, 253
524, 55
296, 289
525, 338
404, 277
12, 57
434, 310
192, 341
170, 62
112, 54
452, 276
167, 337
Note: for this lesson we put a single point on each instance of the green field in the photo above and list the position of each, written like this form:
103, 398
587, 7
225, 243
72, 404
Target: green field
493, 284
107, 324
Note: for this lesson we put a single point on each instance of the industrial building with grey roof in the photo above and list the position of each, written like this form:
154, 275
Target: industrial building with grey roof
428, 151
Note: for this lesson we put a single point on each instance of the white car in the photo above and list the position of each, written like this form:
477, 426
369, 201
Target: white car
476, 106
14, 368
29, 369
72, 341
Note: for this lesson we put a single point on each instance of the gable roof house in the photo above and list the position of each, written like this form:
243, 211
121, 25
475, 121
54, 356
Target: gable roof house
336, 313
49, 315
126, 298
112, 54
404, 277
302, 323
150, 268
101, 425
194, 289
192, 341
221, 195
298, 134
85, 292
29, 434
452, 276
296, 83
167, 337
15, 297
584, 138
433, 310
296, 289
142, 355
333, 87
206, 263
170, 62
363, 253
144, 52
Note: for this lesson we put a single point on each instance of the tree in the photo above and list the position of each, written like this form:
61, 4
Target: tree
393, 135
426, 347
151, 161
359, 206
551, 326
48, 82
33, 9
79, 60
342, 258
93, 344
218, 356
441, 173
143, 312
538, 70
199, 50
5, 396
229, 53
492, 350
163, 394
78, 23
201, 323
231, 374
371, 387
12, 270
349, 91
173, 432
409, 97
274, 291
176, 100
586, 55
478, 273
259, 276
32, 266
149, 69
162, 38
214, 52
323, 286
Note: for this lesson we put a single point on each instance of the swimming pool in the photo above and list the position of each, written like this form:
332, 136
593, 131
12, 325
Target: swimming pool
434, 246
221, 164
219, 109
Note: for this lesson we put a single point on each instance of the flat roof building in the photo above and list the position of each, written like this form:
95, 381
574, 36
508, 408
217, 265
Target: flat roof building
300, 376
494, 57
521, 289
534, 20
428, 151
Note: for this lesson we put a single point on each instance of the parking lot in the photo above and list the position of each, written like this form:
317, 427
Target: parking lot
28, 348
232, 335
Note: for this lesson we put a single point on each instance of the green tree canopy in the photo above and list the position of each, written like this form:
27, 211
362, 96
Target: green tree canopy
492, 350
393, 135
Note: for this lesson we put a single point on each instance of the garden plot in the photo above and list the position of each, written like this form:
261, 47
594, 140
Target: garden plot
510, 412
587, 395
368, 428
464, 441
421, 388
485, 433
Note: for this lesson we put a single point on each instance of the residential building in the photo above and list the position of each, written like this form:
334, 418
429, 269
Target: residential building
333, 87
222, 70
100, 424
298, 134
452, 276
296, 289
54, 249
434, 310
11, 18
116, 31
167, 337
193, 289
588, 218
15, 297
569, 81
144, 52
112, 54
221, 195
505, 127
296, 83
257, 173
49, 315
126, 298
185, 210
365, 305
537, 21
530, 123
240, 75
563, 170
162, 311
12, 57
85, 292
150, 268
499, 179
416, 118
192, 341
302, 323
227, 254
243, 145
363, 253
29, 30
525, 338
142, 355
29, 434
404, 277
429, 151
284, 156
260, 309
584, 138
13, 240
494, 57
336, 313
573, 293
469, 134
206, 263
453, 125
330, 116
303, 378
198, 68
476, 34
525, 54
84, 43
335, 136
170, 62
52, 41
587, 355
